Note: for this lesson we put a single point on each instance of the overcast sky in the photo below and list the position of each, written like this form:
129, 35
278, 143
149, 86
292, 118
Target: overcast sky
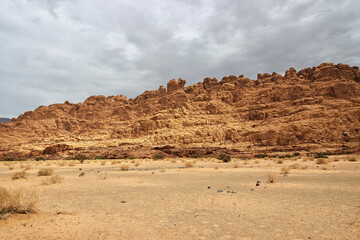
57, 50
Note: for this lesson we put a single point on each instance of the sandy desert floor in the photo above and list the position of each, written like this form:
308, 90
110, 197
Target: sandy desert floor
211, 200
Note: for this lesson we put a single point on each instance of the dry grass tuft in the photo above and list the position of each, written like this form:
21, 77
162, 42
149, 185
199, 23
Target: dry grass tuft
236, 165
71, 164
162, 170
20, 200
352, 159
173, 160
271, 177
137, 163
189, 164
45, 172
280, 161
322, 161
18, 175
295, 166
103, 163
285, 170
52, 180
216, 167
124, 167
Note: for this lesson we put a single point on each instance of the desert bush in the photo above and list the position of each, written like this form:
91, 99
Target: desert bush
295, 166
271, 177
352, 158
18, 175
224, 157
39, 159
236, 165
124, 167
52, 180
162, 170
103, 163
173, 160
9, 159
321, 161
260, 156
20, 200
285, 170
130, 157
137, 163
189, 164
11, 167
280, 161
158, 156
45, 172
100, 157
197, 154
71, 164
286, 156
320, 155
80, 157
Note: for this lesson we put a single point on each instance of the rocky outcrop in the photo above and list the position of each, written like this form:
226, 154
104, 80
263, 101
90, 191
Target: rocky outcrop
314, 109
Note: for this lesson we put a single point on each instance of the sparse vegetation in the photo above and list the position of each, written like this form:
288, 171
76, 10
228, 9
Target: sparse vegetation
124, 167
320, 155
9, 159
296, 154
271, 177
224, 157
162, 170
45, 172
158, 156
236, 165
189, 164
322, 161
260, 156
280, 161
39, 159
18, 175
80, 157
285, 170
20, 200
352, 158
52, 180
102, 163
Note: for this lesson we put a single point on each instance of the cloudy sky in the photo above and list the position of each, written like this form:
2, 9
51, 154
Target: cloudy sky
57, 50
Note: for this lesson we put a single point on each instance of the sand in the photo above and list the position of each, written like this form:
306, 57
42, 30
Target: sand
148, 202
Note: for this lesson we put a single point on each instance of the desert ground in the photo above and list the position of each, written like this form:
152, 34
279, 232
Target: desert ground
201, 198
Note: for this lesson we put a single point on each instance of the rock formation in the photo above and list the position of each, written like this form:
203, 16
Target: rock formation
315, 109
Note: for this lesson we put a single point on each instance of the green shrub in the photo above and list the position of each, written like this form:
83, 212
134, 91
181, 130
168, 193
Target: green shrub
39, 159
9, 159
197, 154
158, 156
130, 157
320, 155
297, 154
224, 157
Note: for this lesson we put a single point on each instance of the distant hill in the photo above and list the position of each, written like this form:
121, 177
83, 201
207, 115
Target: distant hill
5, 120
314, 110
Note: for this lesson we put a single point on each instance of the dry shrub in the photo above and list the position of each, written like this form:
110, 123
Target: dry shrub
257, 161
113, 162
280, 161
61, 164
295, 166
162, 170
52, 180
236, 165
124, 167
216, 167
173, 160
137, 163
285, 170
19, 200
11, 167
189, 164
71, 164
324, 168
246, 162
18, 175
271, 177
352, 159
103, 163
45, 172
48, 164
322, 161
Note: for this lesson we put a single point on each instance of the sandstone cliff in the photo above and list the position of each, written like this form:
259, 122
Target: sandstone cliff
315, 109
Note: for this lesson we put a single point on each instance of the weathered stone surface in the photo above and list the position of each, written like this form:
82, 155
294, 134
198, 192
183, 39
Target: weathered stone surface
314, 109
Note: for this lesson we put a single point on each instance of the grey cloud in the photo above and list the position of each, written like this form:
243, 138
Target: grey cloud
54, 51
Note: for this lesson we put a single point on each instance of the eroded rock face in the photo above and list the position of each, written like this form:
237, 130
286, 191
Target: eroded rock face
314, 109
